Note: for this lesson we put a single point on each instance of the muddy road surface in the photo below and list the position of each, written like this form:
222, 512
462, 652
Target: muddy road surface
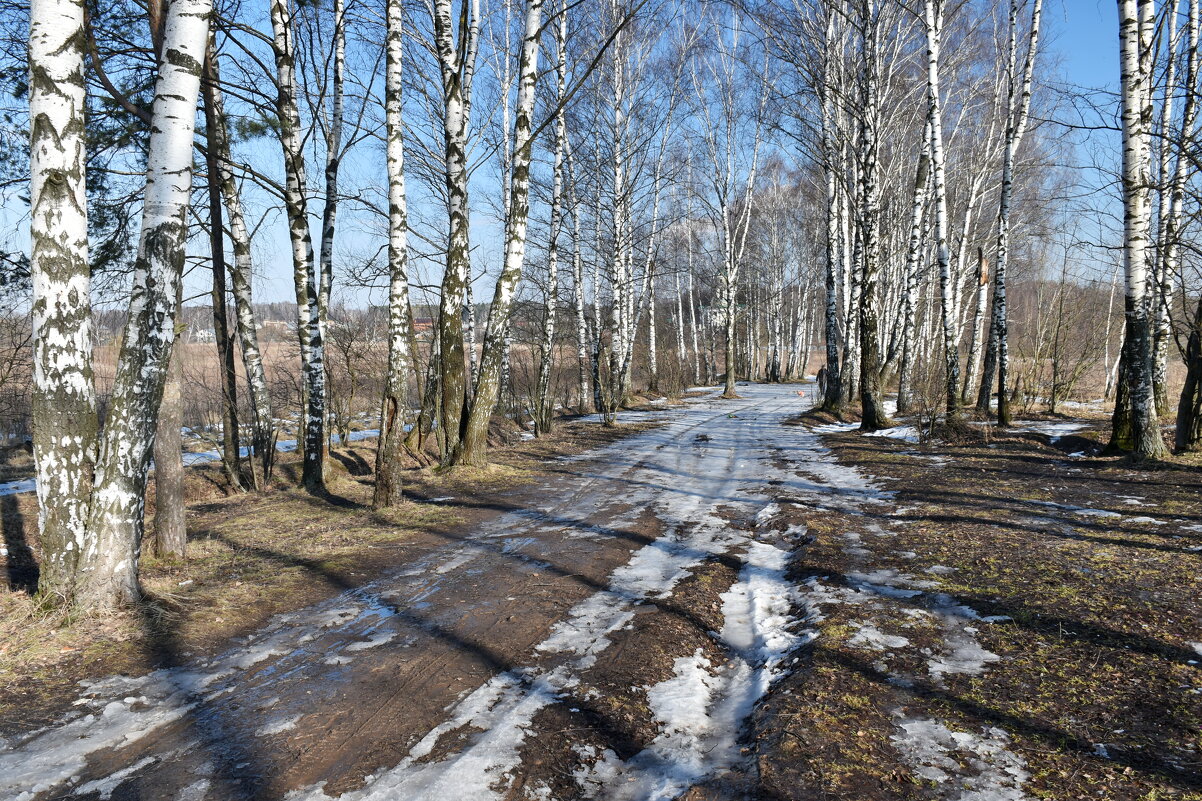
608, 643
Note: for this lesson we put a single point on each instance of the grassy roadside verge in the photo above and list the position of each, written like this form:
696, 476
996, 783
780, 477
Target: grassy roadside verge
1097, 687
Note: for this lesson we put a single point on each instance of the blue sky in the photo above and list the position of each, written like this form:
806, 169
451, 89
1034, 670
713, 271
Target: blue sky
1084, 35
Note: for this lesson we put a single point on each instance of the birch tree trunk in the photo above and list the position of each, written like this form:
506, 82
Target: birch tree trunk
582, 332
304, 277
488, 384
394, 407
231, 460
873, 415
1138, 414
329, 211
64, 401
997, 354
1169, 245
933, 18
978, 327
832, 400
914, 255
263, 420
170, 518
109, 563
456, 62
543, 403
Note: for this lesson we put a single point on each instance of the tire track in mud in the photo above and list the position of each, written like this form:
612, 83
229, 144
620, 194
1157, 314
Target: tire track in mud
254, 720
477, 751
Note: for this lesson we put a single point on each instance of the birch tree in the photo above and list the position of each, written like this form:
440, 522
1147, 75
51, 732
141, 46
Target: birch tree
488, 383
109, 563
457, 65
262, 419
395, 404
997, 354
933, 20
873, 415
1135, 424
543, 403
304, 276
64, 401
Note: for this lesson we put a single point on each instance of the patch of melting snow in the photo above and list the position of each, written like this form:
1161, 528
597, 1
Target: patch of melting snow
973, 767
870, 637
1080, 510
46, 759
835, 428
105, 787
1053, 430
903, 433
701, 708
373, 641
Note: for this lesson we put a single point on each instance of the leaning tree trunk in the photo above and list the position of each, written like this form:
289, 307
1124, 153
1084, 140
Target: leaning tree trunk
303, 274
263, 421
488, 384
109, 563
1136, 18
64, 401
394, 407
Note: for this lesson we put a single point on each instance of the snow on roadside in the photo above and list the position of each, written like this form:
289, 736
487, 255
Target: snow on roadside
904, 433
968, 767
974, 767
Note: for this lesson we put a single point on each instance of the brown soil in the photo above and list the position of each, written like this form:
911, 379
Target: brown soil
250, 557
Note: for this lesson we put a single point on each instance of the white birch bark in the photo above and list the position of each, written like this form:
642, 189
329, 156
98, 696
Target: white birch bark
333, 154
394, 406
304, 275
933, 19
263, 420
914, 254
457, 66
109, 565
1136, 418
488, 384
873, 416
1015, 128
1169, 241
64, 401
833, 397
543, 402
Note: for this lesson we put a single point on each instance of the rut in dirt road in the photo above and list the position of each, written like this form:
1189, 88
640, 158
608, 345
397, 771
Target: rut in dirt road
430, 684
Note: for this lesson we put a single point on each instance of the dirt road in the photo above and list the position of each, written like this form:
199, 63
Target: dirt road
436, 682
